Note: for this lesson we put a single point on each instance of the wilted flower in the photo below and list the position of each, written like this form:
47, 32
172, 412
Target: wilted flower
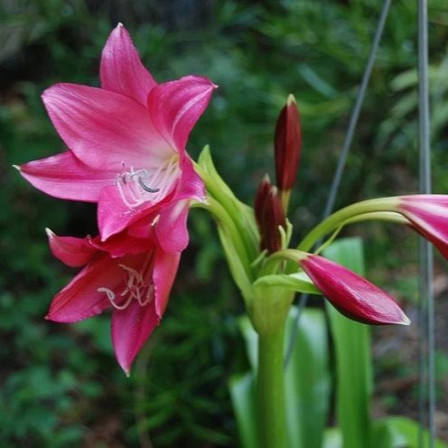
130, 276
126, 144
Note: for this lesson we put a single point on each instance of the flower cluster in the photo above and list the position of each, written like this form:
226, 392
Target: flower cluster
351, 294
125, 151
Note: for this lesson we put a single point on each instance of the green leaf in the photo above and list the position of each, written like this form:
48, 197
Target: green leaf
353, 357
307, 379
251, 341
333, 438
242, 391
298, 282
398, 432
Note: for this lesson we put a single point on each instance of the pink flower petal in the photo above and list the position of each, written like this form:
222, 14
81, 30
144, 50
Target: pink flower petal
191, 185
114, 215
80, 299
171, 227
142, 229
165, 269
124, 243
121, 70
105, 130
64, 176
131, 328
70, 250
429, 216
351, 294
176, 106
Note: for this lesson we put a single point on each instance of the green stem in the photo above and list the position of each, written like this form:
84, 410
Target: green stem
342, 216
271, 390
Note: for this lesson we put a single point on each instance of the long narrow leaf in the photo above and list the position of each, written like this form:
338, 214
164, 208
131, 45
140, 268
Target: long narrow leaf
307, 380
353, 357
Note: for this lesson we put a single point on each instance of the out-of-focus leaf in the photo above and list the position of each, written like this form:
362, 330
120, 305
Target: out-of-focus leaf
242, 391
317, 82
399, 432
332, 438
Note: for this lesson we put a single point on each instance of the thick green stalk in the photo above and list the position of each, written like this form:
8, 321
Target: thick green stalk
271, 390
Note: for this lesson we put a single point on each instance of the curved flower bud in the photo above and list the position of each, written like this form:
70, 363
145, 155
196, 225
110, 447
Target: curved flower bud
428, 214
134, 284
126, 142
351, 294
287, 148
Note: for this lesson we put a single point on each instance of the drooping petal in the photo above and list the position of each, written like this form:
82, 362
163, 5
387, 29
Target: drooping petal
165, 269
64, 176
121, 69
80, 299
131, 328
429, 216
351, 294
175, 107
105, 130
70, 250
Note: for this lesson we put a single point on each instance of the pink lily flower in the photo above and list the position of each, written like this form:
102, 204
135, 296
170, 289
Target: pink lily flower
130, 276
428, 215
126, 144
351, 294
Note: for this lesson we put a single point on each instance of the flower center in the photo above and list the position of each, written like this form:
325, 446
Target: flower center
135, 289
139, 186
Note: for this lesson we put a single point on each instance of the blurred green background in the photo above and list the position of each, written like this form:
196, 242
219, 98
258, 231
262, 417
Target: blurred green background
60, 384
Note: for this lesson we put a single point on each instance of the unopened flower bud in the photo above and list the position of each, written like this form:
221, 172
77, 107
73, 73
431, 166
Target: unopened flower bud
352, 295
287, 147
269, 215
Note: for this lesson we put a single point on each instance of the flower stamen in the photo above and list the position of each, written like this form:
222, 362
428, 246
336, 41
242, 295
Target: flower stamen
135, 289
146, 188
137, 186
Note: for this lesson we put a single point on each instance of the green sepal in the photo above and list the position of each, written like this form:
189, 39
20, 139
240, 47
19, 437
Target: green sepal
241, 214
298, 282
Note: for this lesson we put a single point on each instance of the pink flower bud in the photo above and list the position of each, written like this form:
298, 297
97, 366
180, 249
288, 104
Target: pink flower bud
351, 294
